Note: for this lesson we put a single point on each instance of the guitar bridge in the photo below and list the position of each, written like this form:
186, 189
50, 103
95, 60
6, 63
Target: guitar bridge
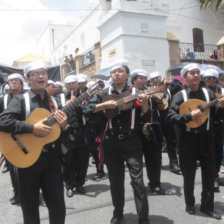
19, 143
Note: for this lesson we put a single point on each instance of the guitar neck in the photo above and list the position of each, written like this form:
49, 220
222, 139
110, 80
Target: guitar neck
208, 105
69, 108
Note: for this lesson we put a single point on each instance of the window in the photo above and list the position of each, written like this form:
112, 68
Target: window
198, 40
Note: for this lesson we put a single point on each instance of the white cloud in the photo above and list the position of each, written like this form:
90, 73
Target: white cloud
19, 28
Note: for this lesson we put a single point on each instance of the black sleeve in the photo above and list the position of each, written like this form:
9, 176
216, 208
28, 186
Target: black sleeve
11, 120
1, 104
98, 98
173, 113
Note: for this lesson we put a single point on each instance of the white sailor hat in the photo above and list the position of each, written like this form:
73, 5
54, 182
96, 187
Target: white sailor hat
211, 73
138, 72
16, 76
70, 78
50, 82
117, 64
58, 83
33, 66
81, 78
188, 68
155, 75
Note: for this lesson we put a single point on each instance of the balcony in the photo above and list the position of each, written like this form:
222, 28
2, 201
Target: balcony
88, 57
202, 52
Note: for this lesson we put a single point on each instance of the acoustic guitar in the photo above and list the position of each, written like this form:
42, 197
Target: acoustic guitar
23, 150
193, 104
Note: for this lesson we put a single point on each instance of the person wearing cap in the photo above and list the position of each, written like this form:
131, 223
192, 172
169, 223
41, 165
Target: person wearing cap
168, 129
58, 87
82, 80
75, 158
45, 173
72, 86
51, 87
151, 144
15, 84
211, 81
196, 143
122, 143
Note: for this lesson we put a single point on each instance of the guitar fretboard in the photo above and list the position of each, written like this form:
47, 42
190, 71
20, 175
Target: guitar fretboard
69, 108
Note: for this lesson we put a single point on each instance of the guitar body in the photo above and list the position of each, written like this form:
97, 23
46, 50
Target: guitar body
191, 105
32, 143
122, 105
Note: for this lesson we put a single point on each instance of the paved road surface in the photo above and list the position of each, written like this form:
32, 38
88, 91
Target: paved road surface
95, 207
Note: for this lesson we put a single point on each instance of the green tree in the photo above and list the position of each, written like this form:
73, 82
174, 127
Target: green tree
206, 3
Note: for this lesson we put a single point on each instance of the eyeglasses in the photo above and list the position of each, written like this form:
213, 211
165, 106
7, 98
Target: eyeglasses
119, 70
195, 72
35, 74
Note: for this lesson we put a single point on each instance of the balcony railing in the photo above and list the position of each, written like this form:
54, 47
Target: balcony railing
203, 51
88, 57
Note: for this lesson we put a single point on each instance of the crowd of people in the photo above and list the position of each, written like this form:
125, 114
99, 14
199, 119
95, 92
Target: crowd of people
118, 126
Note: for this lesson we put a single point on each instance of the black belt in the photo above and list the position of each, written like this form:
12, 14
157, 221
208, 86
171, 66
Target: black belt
123, 136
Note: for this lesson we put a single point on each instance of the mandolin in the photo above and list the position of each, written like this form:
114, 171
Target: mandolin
193, 104
23, 150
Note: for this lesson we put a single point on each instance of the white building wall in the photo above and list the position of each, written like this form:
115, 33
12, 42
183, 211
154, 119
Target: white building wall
47, 40
185, 15
83, 36
138, 37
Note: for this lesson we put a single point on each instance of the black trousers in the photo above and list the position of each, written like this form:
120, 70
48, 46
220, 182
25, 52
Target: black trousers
81, 161
152, 150
200, 147
14, 179
170, 138
218, 130
117, 152
46, 175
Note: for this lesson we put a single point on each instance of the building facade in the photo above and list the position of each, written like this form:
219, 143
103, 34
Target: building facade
150, 34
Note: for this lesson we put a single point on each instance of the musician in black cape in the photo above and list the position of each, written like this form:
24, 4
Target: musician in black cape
122, 143
196, 143
152, 136
45, 173
211, 78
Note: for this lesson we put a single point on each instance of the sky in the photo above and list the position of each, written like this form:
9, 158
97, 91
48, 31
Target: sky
21, 22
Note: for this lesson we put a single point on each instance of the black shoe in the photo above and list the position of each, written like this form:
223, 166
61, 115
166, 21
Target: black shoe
221, 182
14, 200
99, 175
69, 193
158, 190
211, 214
5, 169
175, 169
115, 220
190, 209
81, 189
216, 186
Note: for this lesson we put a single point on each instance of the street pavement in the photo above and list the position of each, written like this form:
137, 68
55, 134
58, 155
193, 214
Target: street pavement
95, 206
